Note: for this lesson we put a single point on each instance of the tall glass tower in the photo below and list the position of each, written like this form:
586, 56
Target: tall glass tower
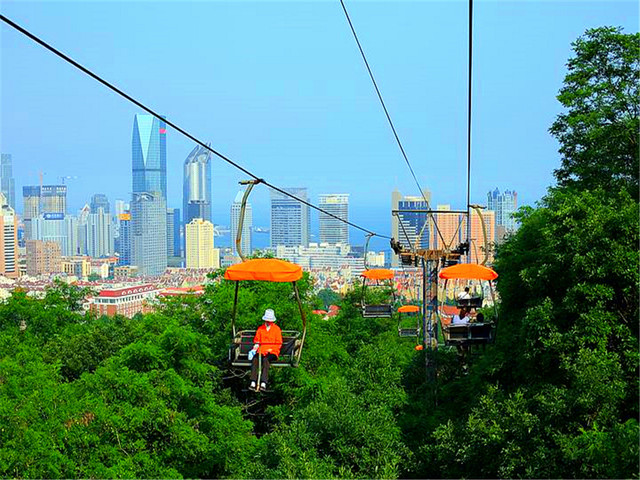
332, 230
149, 199
7, 183
505, 204
149, 149
197, 185
290, 219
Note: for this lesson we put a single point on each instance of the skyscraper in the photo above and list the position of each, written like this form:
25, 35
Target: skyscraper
99, 200
332, 230
31, 202
478, 246
504, 205
121, 207
57, 228
149, 233
290, 219
123, 245
7, 183
199, 244
8, 239
149, 150
173, 232
410, 229
99, 234
247, 225
197, 185
53, 199
149, 199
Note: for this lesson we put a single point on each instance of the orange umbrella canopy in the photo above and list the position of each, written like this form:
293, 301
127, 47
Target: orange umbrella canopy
471, 271
378, 274
265, 269
409, 309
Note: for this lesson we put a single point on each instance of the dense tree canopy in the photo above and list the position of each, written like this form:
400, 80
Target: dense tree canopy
598, 133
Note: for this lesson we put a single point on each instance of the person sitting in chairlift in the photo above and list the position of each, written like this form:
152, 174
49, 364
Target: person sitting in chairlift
268, 341
464, 295
461, 319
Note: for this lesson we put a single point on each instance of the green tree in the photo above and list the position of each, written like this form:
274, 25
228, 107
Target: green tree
598, 133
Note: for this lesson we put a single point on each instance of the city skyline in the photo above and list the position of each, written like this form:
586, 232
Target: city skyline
324, 128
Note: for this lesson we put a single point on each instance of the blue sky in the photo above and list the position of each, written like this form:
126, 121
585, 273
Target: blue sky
280, 88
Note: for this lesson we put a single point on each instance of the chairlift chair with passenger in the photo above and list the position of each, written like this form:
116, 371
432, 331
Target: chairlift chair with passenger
266, 270
469, 333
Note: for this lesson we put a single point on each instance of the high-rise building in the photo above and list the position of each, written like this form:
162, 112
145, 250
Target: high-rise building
57, 228
7, 183
290, 219
99, 200
8, 239
100, 241
43, 258
478, 245
83, 220
247, 225
197, 185
149, 150
449, 232
31, 202
149, 233
121, 207
123, 245
53, 199
199, 244
149, 198
409, 228
173, 232
332, 230
504, 205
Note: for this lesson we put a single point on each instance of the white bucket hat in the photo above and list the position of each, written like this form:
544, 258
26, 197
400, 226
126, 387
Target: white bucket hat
269, 316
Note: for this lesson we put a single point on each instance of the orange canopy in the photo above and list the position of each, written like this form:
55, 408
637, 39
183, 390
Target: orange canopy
378, 274
265, 269
468, 271
409, 309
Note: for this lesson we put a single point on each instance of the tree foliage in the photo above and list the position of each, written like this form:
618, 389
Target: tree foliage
598, 133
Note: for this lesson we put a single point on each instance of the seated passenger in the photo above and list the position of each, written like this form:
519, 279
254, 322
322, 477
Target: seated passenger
462, 318
464, 295
268, 341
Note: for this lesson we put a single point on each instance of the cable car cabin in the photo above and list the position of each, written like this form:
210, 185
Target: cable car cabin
405, 313
470, 333
266, 270
379, 310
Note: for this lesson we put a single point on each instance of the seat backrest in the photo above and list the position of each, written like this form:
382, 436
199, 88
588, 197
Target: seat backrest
481, 331
475, 302
458, 332
385, 309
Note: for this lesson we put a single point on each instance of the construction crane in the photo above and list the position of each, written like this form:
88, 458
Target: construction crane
67, 177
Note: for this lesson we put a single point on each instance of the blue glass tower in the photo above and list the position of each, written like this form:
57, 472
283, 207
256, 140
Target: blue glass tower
149, 149
149, 199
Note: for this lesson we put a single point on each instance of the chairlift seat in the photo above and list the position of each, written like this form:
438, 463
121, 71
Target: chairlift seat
243, 344
473, 302
469, 334
377, 311
408, 332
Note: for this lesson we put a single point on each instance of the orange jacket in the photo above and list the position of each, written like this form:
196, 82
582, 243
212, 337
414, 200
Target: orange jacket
269, 341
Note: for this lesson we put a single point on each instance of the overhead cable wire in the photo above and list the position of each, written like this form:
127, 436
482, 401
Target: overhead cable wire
469, 128
176, 127
386, 112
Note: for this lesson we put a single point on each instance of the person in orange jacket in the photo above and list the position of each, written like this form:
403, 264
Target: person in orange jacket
268, 341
